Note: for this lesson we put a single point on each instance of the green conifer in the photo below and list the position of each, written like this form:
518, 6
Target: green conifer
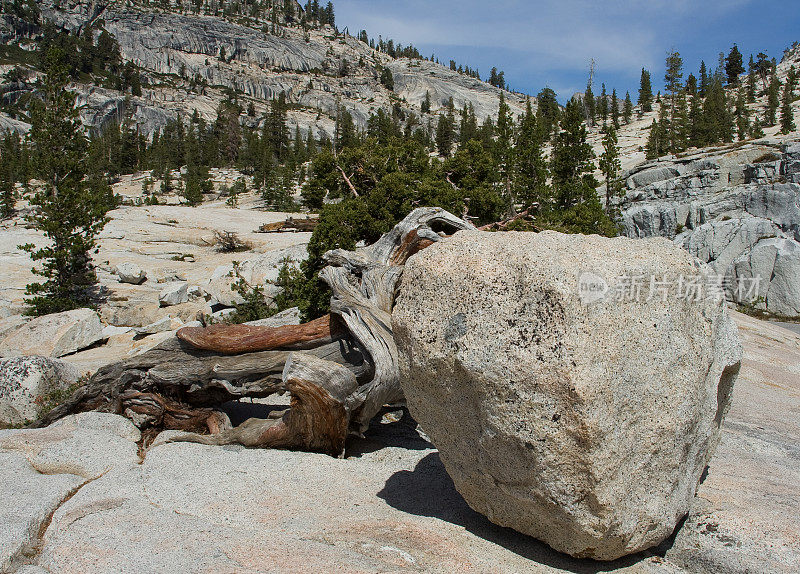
67, 209
609, 162
645, 100
787, 113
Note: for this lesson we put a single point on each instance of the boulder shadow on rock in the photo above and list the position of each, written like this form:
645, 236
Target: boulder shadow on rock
429, 491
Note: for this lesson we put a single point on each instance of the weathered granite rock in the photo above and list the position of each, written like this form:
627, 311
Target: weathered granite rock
779, 203
130, 273
559, 409
25, 381
54, 335
174, 293
287, 317
236, 53
163, 324
768, 277
719, 203
389, 506
652, 220
720, 243
41, 469
651, 176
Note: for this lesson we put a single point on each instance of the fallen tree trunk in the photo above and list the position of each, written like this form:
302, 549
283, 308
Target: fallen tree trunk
340, 369
235, 339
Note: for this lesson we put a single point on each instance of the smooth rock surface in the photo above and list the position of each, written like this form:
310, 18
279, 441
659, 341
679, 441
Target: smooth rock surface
26, 380
286, 317
54, 335
389, 506
744, 516
42, 468
578, 417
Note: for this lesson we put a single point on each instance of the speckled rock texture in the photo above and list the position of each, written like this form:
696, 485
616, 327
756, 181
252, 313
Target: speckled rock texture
26, 381
582, 417
54, 335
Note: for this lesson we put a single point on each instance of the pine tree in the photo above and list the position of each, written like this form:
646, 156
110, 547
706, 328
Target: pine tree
468, 130
196, 181
571, 163
426, 104
742, 115
655, 146
645, 100
614, 108
504, 151
751, 81
702, 87
718, 121
680, 124
531, 167
299, 155
548, 111
673, 76
609, 161
695, 113
673, 85
67, 209
787, 114
229, 130
387, 79
756, 131
773, 101
7, 198
627, 110
444, 136
576, 207
166, 182
734, 66
345, 130
602, 104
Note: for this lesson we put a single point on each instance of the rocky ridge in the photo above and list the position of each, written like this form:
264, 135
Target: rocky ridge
174, 50
736, 208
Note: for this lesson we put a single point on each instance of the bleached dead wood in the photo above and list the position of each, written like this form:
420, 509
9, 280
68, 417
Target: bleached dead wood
340, 369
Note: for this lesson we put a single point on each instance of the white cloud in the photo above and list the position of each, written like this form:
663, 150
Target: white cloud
619, 34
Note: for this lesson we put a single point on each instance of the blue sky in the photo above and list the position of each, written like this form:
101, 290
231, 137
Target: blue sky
551, 42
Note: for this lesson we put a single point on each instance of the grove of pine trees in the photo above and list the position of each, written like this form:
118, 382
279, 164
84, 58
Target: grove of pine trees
713, 108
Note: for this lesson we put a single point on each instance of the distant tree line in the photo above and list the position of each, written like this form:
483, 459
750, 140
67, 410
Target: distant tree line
712, 107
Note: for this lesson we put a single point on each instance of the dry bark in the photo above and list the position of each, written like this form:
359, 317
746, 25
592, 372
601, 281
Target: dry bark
340, 369
236, 339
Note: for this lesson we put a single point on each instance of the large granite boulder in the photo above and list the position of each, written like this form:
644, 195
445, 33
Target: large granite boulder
54, 335
570, 398
26, 383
